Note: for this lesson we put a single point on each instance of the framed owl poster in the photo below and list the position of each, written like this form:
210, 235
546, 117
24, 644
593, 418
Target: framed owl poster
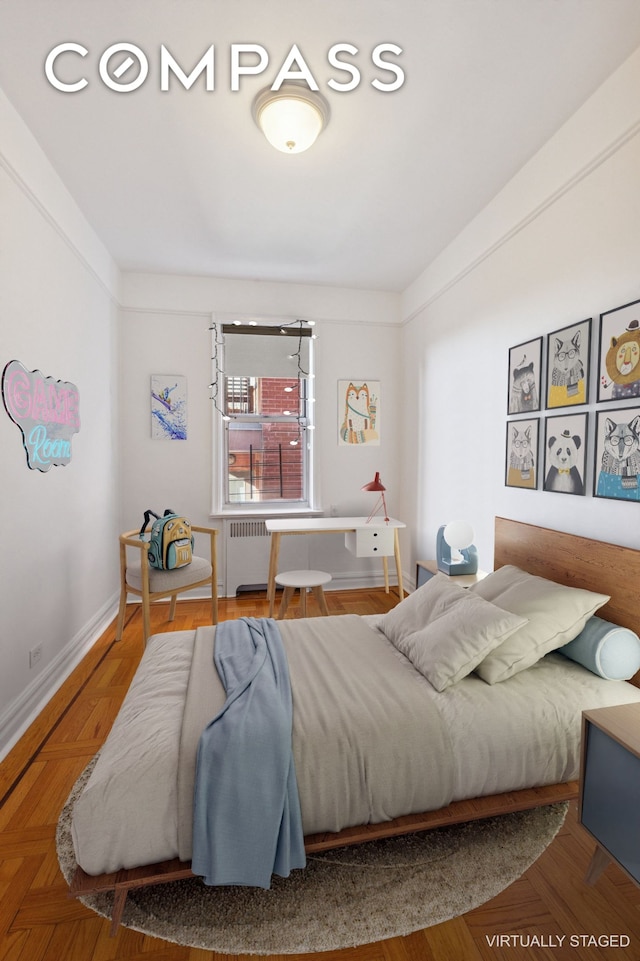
522, 453
617, 454
568, 353
525, 370
358, 413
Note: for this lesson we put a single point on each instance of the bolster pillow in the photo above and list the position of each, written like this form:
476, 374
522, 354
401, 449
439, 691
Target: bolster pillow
606, 649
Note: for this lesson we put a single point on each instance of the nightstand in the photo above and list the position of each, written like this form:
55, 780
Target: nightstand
610, 787
425, 570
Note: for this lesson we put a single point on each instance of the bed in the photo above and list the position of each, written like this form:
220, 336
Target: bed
503, 735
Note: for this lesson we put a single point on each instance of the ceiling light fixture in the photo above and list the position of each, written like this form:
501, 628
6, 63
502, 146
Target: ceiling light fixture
292, 117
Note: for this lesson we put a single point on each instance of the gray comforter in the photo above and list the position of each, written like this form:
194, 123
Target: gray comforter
372, 739
368, 746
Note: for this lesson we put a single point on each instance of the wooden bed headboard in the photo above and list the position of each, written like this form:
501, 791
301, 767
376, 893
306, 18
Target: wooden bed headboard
577, 562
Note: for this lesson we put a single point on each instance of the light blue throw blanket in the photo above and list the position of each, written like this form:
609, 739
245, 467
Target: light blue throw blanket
247, 821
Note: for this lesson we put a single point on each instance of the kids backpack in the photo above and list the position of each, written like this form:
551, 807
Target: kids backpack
170, 540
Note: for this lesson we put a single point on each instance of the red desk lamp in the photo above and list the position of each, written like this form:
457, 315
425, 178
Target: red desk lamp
377, 485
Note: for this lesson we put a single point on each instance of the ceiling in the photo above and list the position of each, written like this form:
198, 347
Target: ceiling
184, 182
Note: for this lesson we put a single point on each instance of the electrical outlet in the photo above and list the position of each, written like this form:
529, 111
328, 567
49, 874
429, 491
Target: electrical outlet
35, 655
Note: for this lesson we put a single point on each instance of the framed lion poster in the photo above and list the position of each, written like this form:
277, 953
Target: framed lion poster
619, 353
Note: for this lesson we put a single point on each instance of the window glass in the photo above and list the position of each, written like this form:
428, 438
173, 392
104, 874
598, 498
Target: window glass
264, 397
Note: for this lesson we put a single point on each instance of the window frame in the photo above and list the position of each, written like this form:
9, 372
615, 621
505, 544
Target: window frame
222, 505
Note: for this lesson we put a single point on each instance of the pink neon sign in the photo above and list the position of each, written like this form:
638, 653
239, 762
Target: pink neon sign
45, 410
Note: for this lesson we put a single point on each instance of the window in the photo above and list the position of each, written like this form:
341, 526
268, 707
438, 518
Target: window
262, 391
240, 395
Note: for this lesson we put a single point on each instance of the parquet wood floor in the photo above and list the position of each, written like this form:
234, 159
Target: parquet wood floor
39, 922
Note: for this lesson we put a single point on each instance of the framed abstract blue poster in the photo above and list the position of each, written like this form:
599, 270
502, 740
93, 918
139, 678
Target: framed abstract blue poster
168, 407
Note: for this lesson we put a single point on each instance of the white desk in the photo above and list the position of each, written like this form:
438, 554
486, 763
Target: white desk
364, 538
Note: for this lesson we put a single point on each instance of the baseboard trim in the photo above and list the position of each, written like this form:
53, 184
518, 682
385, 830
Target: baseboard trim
22, 712
369, 581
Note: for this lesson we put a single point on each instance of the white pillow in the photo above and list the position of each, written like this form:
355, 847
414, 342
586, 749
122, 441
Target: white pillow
445, 632
424, 605
555, 613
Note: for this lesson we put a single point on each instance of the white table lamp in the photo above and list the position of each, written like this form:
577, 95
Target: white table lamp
455, 552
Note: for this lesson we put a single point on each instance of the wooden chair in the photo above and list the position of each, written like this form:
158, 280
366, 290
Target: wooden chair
138, 577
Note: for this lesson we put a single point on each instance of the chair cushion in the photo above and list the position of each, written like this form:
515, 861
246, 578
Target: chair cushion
164, 582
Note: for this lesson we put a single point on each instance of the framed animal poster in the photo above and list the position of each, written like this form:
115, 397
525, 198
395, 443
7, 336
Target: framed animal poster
358, 412
565, 453
525, 370
522, 453
568, 353
619, 353
168, 407
617, 454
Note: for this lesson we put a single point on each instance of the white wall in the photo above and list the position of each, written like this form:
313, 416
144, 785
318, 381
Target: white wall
58, 314
559, 244
165, 325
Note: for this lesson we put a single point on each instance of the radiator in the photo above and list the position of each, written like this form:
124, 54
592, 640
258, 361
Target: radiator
247, 529
247, 545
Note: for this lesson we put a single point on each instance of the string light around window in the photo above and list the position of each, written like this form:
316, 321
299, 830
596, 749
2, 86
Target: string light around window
303, 416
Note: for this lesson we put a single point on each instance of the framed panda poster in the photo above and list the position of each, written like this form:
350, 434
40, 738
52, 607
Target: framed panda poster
525, 370
617, 454
565, 454
568, 353
619, 353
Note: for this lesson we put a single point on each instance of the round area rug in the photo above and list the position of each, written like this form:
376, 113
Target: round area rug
343, 898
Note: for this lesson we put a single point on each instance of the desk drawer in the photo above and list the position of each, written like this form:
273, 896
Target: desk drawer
370, 541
